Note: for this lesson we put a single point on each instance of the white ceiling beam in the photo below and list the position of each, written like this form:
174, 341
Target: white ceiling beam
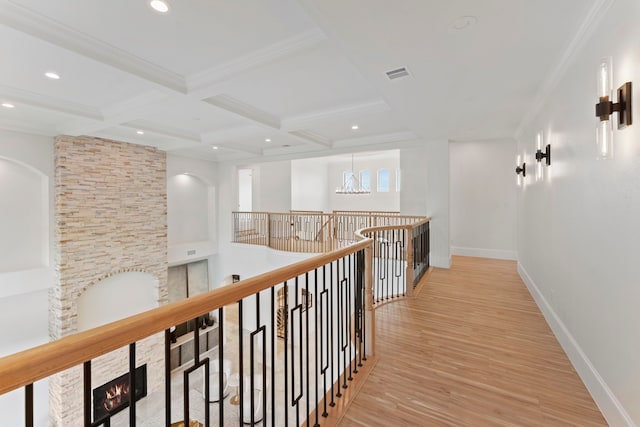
30, 22
302, 121
36, 100
311, 137
206, 83
244, 110
394, 137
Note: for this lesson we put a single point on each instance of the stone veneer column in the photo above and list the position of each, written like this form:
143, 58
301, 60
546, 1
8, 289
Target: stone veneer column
110, 217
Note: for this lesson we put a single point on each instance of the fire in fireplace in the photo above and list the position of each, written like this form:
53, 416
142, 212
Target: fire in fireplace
114, 396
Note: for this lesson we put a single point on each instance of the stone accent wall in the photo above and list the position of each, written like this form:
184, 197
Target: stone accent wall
110, 217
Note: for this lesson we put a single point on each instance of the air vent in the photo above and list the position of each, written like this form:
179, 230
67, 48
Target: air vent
398, 73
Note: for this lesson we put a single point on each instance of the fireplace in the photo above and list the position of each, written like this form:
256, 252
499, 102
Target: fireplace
114, 396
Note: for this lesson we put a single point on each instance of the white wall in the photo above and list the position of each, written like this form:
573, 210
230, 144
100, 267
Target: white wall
425, 191
24, 287
272, 187
578, 229
309, 184
483, 199
192, 187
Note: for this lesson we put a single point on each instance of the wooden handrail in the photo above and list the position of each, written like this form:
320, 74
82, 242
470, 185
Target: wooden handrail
29, 366
360, 232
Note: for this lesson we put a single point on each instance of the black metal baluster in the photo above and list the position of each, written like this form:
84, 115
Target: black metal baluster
286, 345
273, 357
324, 340
340, 328
315, 329
132, 384
167, 378
240, 363
331, 315
221, 365
87, 392
349, 305
28, 405
298, 307
306, 308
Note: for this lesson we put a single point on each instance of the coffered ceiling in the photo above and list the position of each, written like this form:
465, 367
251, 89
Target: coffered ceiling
258, 79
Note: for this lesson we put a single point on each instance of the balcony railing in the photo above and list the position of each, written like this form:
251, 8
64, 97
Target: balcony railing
293, 339
400, 242
310, 231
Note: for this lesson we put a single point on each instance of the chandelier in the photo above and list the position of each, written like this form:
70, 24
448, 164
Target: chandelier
351, 184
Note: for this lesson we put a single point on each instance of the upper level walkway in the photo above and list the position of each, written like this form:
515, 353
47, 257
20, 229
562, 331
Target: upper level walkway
470, 349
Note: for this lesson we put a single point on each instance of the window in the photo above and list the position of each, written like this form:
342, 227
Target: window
347, 179
398, 176
383, 181
365, 180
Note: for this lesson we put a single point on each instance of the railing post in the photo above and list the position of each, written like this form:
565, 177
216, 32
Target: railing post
369, 312
268, 229
410, 253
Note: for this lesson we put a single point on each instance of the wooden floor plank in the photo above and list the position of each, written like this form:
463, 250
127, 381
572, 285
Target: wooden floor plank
471, 349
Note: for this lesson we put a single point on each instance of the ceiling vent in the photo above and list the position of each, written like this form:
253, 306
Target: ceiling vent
398, 73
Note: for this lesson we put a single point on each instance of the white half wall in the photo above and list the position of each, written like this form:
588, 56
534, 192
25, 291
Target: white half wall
578, 228
483, 198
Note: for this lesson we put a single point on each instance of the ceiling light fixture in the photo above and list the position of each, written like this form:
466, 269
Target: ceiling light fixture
355, 127
52, 75
140, 132
267, 140
7, 105
351, 184
605, 108
159, 6
214, 148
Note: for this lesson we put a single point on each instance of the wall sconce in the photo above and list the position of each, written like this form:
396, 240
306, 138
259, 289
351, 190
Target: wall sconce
605, 108
521, 171
546, 154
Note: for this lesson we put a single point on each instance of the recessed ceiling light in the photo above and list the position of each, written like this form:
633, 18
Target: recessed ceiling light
140, 132
464, 23
52, 75
7, 105
267, 140
355, 127
159, 6
215, 148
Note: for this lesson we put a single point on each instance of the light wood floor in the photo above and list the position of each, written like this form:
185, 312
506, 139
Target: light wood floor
472, 349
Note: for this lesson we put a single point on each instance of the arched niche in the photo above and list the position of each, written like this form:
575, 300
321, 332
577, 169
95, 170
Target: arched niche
116, 297
188, 209
24, 217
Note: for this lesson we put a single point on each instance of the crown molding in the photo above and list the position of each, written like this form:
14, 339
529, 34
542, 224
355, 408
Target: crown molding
244, 110
586, 29
30, 22
307, 119
203, 84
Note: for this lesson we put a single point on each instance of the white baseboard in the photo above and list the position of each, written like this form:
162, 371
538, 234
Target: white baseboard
609, 405
484, 253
